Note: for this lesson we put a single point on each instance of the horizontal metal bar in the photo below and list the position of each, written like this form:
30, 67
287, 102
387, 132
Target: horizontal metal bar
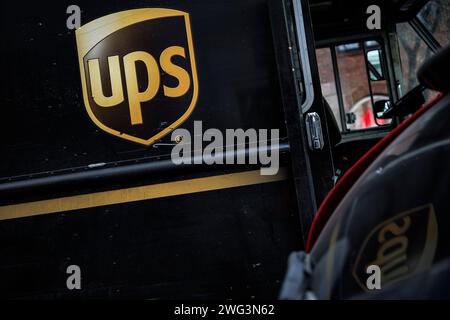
128, 171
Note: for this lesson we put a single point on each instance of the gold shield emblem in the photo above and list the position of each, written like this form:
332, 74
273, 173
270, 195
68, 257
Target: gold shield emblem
401, 246
138, 72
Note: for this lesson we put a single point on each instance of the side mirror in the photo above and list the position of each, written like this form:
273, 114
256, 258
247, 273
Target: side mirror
380, 108
407, 105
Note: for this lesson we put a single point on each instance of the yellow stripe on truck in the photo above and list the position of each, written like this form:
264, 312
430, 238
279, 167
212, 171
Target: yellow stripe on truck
148, 192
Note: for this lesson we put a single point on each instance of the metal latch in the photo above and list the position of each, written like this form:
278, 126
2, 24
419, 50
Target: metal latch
314, 131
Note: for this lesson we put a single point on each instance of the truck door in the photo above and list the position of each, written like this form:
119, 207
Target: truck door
87, 178
307, 118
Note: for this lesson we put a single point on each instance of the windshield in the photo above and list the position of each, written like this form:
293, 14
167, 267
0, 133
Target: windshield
435, 16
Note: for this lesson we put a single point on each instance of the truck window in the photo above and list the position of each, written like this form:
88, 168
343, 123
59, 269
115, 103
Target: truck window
435, 16
328, 82
352, 79
413, 50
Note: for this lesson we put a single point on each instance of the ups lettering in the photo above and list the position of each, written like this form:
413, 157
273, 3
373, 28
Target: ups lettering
136, 96
391, 255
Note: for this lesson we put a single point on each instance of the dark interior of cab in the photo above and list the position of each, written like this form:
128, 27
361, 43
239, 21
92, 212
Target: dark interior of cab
335, 20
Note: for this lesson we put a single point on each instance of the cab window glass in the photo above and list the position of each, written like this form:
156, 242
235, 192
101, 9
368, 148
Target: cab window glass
413, 51
352, 78
435, 15
362, 82
328, 82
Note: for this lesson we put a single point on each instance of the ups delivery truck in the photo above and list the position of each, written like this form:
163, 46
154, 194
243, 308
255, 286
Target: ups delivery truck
91, 95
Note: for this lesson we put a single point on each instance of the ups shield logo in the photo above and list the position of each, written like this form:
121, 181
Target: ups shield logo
138, 72
401, 246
